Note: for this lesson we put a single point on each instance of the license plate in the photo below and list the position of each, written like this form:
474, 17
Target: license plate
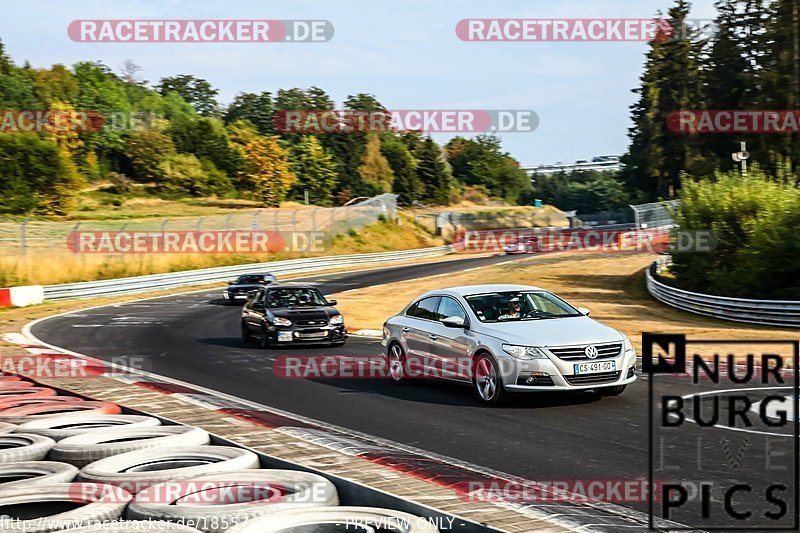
594, 368
284, 336
312, 335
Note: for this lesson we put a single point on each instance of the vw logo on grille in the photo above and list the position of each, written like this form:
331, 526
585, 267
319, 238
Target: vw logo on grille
591, 352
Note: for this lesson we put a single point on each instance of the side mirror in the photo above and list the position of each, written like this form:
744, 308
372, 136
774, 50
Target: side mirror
453, 322
584, 311
232, 282
332, 302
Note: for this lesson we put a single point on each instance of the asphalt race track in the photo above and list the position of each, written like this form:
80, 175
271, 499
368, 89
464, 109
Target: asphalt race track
575, 436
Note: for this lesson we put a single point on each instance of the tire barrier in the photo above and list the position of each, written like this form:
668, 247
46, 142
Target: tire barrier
25, 392
13, 383
80, 450
25, 473
217, 502
16, 447
18, 415
56, 506
78, 465
137, 470
354, 519
61, 427
12, 401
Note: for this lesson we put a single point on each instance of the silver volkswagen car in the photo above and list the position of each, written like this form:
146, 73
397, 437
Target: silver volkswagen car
506, 339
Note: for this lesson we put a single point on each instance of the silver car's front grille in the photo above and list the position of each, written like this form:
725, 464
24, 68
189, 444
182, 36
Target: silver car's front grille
604, 351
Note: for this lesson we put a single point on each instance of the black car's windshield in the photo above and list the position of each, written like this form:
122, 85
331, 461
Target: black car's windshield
249, 279
294, 297
515, 305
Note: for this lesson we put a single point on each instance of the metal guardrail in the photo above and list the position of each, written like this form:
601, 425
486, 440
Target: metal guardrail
187, 278
764, 312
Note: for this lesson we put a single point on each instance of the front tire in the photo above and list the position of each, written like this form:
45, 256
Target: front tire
487, 381
397, 364
245, 333
263, 339
611, 391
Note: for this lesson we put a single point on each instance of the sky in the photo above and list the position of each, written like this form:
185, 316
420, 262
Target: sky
405, 52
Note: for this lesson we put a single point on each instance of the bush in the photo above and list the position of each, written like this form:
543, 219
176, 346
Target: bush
185, 174
753, 219
35, 176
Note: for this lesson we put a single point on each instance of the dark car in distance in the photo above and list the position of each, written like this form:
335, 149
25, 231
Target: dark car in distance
238, 289
291, 314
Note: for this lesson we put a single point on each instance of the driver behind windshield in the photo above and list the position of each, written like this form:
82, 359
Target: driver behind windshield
514, 310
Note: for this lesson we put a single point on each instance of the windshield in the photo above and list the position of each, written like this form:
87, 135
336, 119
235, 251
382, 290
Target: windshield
249, 279
516, 305
294, 297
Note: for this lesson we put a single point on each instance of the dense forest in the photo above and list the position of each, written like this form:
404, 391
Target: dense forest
174, 138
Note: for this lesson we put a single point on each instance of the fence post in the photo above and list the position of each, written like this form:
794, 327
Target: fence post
228, 222
23, 236
200, 224
294, 221
276, 222
254, 224
121, 229
314, 219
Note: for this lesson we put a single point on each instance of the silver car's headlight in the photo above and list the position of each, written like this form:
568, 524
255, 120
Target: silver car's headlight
524, 352
279, 321
337, 320
626, 345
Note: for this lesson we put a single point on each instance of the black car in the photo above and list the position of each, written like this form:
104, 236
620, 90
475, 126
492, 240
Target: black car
241, 287
291, 314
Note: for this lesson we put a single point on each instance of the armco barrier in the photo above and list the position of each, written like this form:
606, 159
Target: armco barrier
187, 278
764, 312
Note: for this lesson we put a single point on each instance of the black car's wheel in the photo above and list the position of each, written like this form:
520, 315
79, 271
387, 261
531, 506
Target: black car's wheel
611, 391
245, 333
487, 381
397, 364
263, 339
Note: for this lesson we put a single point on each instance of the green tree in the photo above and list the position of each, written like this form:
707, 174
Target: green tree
433, 173
407, 184
375, 170
197, 91
315, 171
257, 108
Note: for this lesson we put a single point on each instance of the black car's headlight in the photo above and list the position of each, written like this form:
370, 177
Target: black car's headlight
279, 321
337, 320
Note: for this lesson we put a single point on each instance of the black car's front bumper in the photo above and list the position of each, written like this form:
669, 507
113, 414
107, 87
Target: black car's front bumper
279, 335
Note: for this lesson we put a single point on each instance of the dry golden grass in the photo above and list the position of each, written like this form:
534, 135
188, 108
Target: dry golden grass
611, 285
62, 266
